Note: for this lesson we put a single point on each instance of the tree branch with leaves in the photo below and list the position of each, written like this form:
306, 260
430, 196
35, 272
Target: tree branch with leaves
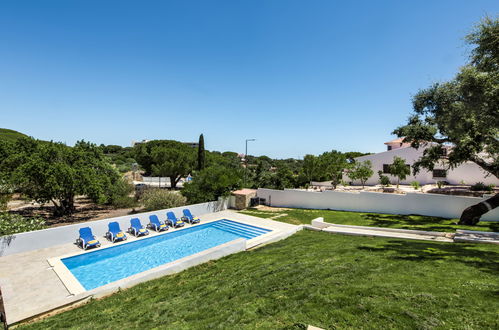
462, 115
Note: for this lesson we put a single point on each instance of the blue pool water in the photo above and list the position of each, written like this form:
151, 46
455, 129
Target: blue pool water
104, 266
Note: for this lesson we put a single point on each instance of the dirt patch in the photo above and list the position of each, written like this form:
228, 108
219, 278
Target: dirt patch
86, 211
270, 208
280, 215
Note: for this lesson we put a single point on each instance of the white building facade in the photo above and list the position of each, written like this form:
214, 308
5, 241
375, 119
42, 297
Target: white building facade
467, 173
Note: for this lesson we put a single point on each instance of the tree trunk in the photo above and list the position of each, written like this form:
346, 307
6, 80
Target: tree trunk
471, 215
57, 208
65, 206
173, 182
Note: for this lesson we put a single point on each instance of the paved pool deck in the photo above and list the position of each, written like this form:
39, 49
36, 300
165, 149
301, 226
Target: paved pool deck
30, 286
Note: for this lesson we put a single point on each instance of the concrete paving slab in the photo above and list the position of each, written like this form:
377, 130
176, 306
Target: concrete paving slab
380, 233
319, 224
471, 236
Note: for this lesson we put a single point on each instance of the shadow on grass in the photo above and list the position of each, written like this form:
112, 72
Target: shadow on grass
467, 254
429, 223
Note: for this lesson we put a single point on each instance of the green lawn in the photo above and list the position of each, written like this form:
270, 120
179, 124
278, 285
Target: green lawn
330, 281
305, 216
10, 135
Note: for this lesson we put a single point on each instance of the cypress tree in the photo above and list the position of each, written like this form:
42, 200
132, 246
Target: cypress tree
201, 153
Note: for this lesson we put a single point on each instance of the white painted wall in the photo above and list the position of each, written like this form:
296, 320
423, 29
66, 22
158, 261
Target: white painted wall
39, 239
158, 182
411, 203
469, 172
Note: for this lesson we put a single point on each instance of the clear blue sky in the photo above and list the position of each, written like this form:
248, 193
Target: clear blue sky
299, 76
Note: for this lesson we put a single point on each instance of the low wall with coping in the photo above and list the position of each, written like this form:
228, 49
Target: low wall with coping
39, 239
411, 203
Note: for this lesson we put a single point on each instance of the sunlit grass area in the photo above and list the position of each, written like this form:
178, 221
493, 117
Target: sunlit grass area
330, 281
417, 222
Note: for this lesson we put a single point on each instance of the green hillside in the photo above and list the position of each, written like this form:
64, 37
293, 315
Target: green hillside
10, 135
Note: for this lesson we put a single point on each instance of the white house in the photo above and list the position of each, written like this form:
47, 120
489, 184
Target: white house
468, 172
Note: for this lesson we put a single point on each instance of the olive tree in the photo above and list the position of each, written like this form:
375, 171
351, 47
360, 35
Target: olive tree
361, 171
333, 164
462, 114
399, 169
50, 172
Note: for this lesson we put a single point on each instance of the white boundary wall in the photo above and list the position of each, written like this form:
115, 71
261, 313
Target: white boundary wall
39, 239
411, 203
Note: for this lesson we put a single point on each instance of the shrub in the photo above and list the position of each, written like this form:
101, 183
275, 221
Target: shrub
383, 179
123, 168
119, 193
158, 199
415, 185
440, 184
480, 186
124, 202
14, 223
5, 196
4, 200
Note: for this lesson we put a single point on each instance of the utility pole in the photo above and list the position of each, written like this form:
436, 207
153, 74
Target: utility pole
246, 160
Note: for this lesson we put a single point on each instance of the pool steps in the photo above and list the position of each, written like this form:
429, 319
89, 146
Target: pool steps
247, 231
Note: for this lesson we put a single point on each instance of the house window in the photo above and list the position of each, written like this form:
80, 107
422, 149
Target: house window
444, 152
389, 148
439, 173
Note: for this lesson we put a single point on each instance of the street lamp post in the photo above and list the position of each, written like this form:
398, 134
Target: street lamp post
246, 159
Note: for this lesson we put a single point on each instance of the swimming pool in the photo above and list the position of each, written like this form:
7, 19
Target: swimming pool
100, 267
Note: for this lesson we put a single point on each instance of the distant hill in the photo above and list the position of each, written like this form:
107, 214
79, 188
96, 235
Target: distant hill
10, 135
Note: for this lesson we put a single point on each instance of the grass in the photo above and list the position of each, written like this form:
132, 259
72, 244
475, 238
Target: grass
329, 281
10, 135
416, 222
